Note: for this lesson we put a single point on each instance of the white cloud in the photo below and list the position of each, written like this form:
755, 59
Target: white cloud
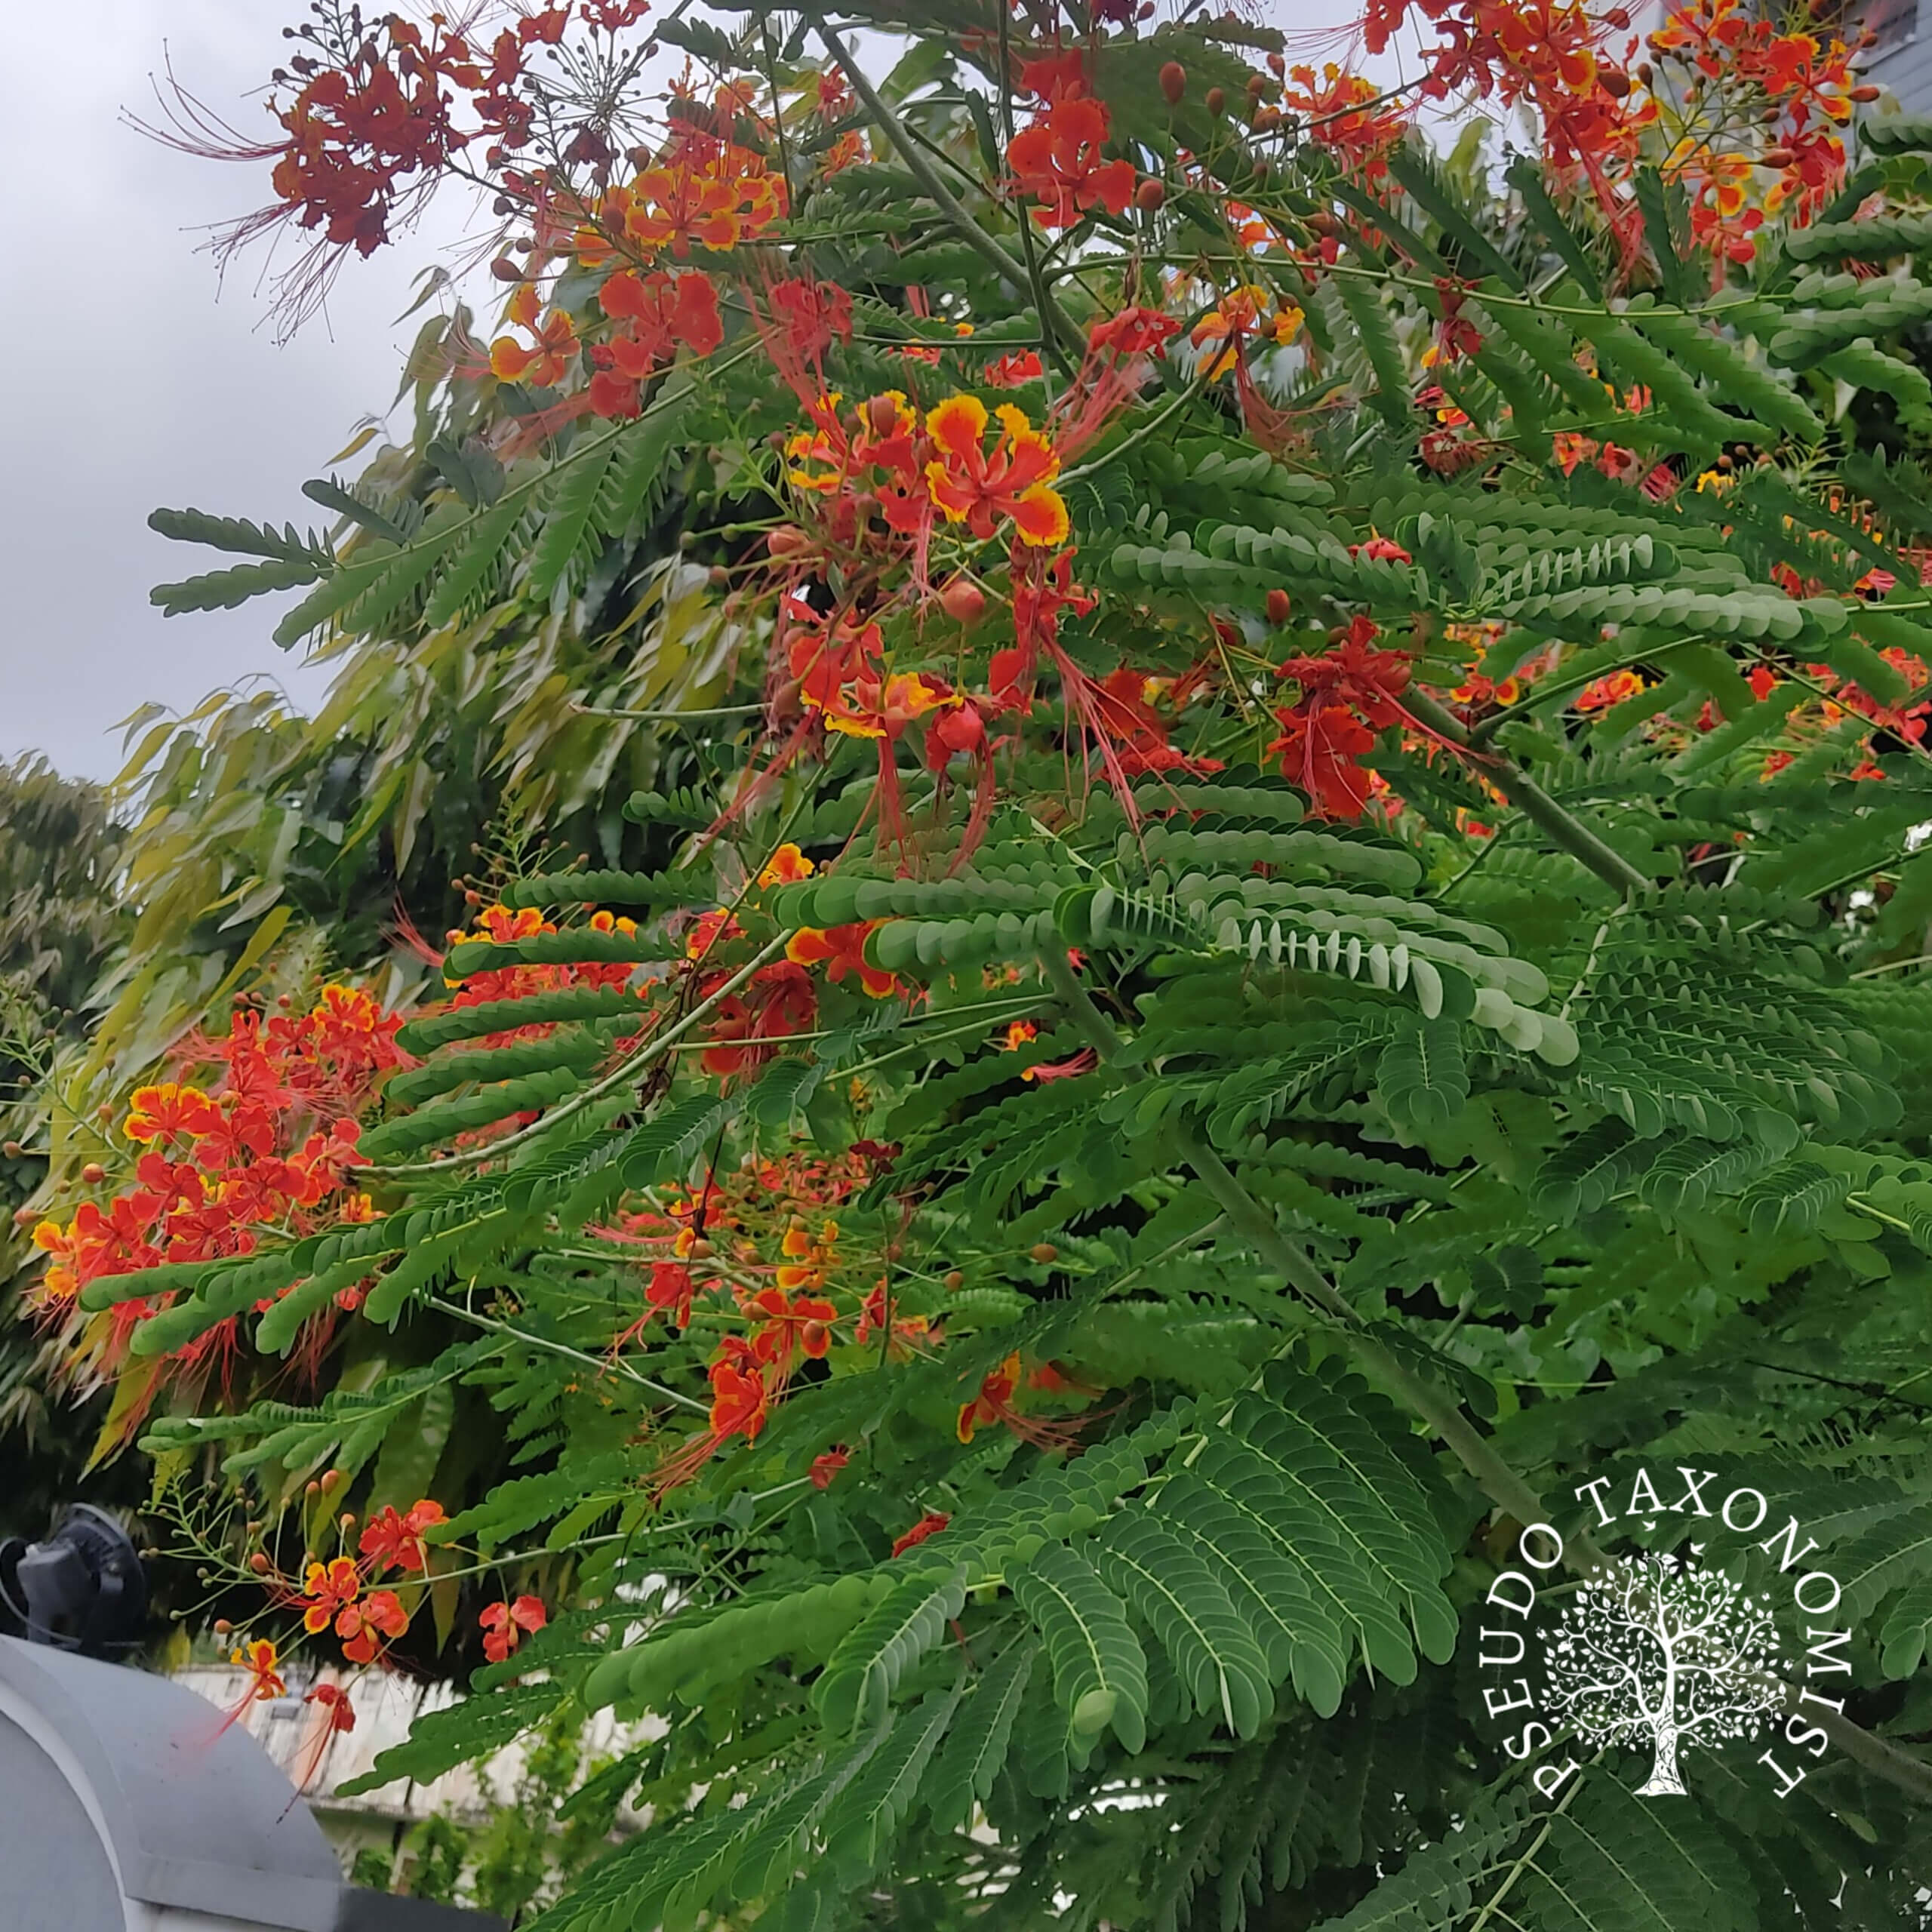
134, 380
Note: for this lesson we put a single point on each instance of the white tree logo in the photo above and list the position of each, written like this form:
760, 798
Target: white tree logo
1652, 1650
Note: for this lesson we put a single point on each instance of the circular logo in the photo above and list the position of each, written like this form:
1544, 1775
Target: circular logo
1663, 1652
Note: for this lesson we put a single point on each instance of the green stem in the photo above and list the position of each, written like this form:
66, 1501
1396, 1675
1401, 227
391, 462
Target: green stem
1028, 247
1503, 1486
618, 1365
1529, 799
624, 1073
972, 232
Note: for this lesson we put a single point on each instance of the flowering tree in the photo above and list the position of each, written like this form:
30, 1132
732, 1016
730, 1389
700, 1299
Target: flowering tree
1289, 907
1659, 1650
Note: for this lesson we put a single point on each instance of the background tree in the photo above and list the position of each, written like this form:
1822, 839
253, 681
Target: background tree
63, 917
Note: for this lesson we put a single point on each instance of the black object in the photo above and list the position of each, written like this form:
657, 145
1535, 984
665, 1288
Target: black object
377, 1911
83, 1589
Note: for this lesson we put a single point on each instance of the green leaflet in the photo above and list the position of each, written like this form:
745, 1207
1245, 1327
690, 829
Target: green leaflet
1611, 1861
859, 1676
860, 1827
427, 1261
1263, 1578
576, 1052
603, 887
460, 1732
224, 590
1362, 300
481, 555
1897, 1550
1871, 239
981, 1733
567, 514
361, 593
1724, 365
1906, 1633
500, 1016
1100, 1670
1195, 1621
1443, 1886
1422, 1075
440, 1121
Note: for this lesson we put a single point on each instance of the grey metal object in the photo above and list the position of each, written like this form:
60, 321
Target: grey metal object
127, 1805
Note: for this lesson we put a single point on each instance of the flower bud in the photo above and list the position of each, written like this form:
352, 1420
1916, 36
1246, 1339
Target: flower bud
259, 1562
1174, 82
1277, 606
787, 541
1217, 101
504, 270
882, 413
1615, 85
94, 1173
1044, 1251
1152, 194
963, 601
1864, 93
954, 1281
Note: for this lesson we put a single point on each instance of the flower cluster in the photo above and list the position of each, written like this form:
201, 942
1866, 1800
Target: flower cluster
266, 1144
1348, 693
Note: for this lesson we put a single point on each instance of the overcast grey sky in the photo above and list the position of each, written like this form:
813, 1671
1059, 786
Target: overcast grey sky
135, 379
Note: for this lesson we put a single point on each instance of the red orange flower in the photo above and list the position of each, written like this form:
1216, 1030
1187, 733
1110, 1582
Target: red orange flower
328, 1588
840, 950
548, 360
504, 1624
1057, 161
978, 488
930, 1524
259, 1659
394, 1541
365, 1628
786, 865
169, 1109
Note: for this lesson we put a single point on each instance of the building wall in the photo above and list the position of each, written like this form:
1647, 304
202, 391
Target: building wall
1902, 60
295, 1734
